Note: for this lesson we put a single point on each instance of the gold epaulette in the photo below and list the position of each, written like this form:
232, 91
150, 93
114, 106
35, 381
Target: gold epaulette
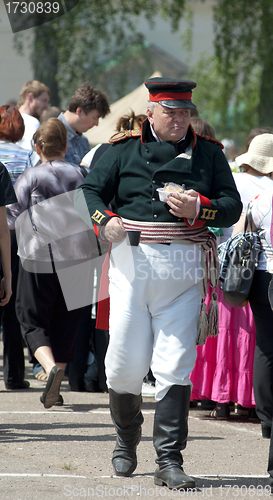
124, 134
208, 138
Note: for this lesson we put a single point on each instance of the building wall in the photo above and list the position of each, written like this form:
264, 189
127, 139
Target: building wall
202, 38
15, 70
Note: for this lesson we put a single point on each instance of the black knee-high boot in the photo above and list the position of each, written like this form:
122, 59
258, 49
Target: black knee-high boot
270, 462
127, 418
170, 437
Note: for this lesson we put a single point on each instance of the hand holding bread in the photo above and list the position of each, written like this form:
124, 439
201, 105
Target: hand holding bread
183, 205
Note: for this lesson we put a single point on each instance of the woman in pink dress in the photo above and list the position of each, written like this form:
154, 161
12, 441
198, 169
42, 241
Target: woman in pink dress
224, 367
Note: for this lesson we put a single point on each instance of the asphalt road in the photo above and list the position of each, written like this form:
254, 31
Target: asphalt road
65, 452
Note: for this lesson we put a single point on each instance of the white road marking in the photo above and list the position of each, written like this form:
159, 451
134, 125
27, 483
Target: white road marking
228, 425
15, 474
70, 476
62, 412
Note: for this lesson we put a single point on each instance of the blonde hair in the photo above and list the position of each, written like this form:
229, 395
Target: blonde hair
51, 137
33, 87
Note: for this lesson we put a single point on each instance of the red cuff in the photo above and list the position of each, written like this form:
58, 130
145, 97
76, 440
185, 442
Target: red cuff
111, 214
98, 228
203, 202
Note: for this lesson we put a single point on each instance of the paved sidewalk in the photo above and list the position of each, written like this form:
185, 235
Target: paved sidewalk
65, 452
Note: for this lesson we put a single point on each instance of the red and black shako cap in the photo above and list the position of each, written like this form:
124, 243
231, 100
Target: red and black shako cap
170, 92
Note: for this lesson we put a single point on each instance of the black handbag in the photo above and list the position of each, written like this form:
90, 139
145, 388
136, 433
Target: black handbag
242, 253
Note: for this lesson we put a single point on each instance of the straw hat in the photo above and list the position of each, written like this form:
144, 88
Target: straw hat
259, 155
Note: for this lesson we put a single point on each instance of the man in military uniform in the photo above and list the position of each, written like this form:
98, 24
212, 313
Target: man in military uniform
156, 287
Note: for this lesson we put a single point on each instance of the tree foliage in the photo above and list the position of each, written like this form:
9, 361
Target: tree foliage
243, 45
90, 39
96, 36
232, 111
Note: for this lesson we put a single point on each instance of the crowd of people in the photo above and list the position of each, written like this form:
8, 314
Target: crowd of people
66, 209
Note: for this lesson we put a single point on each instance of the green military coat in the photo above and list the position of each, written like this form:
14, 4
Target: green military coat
132, 169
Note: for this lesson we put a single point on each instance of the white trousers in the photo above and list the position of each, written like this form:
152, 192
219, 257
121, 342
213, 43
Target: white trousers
155, 297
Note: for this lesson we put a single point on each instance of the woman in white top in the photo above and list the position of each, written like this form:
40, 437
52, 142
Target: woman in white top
261, 302
254, 176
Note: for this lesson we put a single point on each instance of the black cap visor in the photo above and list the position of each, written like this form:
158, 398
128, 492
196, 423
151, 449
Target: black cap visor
177, 104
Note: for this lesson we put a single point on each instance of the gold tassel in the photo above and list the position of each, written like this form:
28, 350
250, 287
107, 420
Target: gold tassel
202, 325
214, 269
213, 316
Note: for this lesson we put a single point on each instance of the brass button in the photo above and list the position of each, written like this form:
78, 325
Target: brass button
155, 216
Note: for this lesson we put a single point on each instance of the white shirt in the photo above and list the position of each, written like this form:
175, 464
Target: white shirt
87, 159
31, 125
262, 218
248, 186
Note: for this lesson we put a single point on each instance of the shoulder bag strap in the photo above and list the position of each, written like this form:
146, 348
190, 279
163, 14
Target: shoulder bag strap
248, 220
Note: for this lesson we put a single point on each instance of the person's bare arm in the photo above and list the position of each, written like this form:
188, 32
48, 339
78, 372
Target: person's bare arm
240, 225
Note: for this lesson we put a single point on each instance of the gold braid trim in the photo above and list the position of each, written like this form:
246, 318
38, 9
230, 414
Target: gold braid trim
124, 134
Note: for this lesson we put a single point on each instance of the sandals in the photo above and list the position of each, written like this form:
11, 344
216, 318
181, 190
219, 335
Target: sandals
42, 376
241, 410
221, 411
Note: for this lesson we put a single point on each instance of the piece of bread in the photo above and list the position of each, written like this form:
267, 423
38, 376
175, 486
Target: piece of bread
171, 189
